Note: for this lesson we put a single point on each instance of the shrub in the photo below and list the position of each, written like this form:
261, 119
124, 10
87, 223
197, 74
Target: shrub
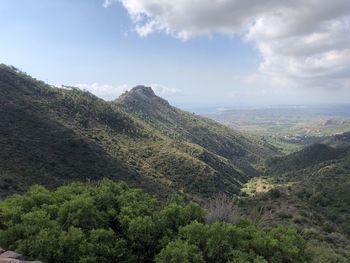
109, 222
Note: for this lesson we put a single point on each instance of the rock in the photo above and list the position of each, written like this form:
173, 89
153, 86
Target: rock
9, 260
13, 257
11, 254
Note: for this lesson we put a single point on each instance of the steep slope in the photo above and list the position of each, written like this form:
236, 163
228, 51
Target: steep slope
176, 124
52, 136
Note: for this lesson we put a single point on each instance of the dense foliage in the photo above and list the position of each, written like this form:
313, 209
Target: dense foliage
110, 222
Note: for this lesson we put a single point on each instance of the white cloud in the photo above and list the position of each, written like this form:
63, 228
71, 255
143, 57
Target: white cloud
106, 92
163, 90
107, 3
111, 92
303, 42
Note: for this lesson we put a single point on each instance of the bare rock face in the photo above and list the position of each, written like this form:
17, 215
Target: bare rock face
13, 257
9, 260
11, 254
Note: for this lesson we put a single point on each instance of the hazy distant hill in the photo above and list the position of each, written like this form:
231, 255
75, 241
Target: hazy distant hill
52, 136
339, 140
288, 128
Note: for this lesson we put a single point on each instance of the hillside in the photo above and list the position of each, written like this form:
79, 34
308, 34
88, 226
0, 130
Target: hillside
179, 124
310, 190
184, 126
339, 140
309, 156
52, 136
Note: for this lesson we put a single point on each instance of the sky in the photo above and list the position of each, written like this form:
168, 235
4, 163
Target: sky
194, 53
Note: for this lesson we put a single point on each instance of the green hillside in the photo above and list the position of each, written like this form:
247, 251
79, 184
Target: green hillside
307, 157
52, 136
181, 125
339, 140
310, 190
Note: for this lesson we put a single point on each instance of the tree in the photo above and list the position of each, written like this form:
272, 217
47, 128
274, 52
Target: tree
144, 233
180, 251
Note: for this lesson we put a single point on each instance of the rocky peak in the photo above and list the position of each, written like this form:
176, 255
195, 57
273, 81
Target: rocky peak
142, 90
141, 96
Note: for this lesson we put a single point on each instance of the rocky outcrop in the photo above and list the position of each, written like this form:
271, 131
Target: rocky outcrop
13, 257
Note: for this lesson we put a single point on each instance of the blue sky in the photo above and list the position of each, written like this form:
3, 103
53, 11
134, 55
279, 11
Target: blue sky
102, 47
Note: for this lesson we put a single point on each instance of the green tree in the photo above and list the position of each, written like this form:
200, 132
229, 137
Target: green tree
80, 212
144, 233
103, 246
180, 251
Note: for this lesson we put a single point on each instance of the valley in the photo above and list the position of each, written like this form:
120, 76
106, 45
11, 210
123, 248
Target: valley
288, 174
289, 128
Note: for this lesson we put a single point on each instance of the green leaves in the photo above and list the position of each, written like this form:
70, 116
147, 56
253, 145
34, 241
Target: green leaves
179, 251
108, 222
80, 212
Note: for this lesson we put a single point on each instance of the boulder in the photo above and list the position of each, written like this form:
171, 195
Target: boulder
9, 260
13, 257
11, 254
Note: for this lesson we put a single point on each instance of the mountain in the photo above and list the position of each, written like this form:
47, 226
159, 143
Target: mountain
175, 123
52, 136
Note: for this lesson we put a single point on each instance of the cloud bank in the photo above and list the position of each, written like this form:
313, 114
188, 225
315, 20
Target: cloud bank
304, 43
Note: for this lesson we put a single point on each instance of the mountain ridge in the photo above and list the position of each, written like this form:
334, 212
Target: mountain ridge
142, 146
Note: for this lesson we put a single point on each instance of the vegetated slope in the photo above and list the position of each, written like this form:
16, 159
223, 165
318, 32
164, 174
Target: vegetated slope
307, 157
180, 125
339, 140
311, 191
51, 136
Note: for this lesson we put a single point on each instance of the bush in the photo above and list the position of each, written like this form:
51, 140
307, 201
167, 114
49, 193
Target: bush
179, 251
110, 222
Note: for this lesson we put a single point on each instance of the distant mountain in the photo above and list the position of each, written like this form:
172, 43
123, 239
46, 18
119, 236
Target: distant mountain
52, 136
339, 140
